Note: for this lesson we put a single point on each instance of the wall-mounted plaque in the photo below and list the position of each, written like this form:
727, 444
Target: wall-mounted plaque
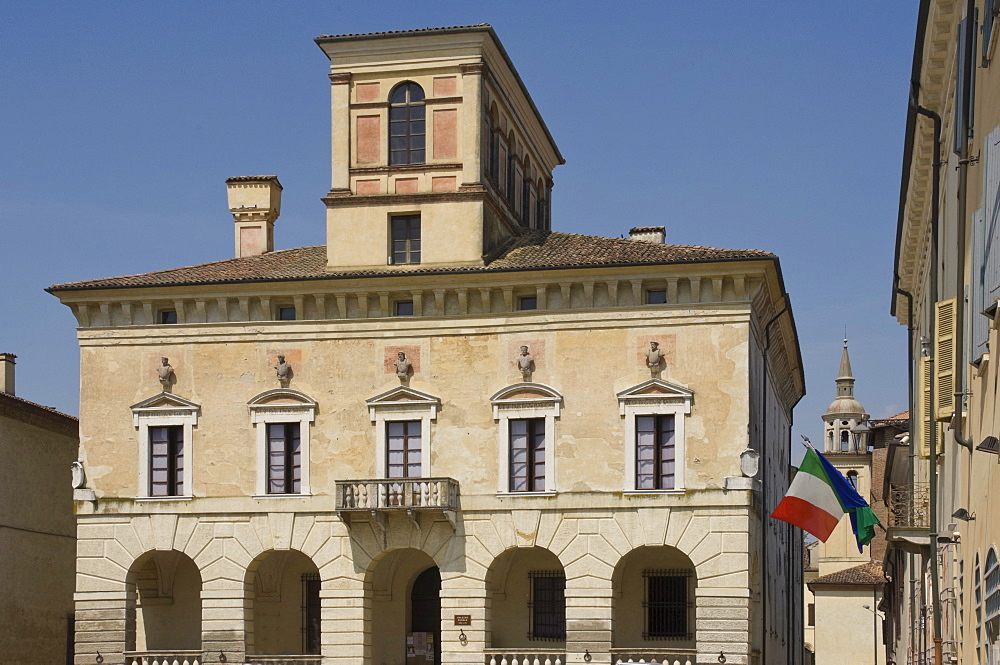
463, 619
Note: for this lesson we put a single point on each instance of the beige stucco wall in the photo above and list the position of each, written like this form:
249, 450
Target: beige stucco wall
36, 541
844, 635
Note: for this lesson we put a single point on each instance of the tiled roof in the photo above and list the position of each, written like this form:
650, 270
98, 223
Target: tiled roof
865, 574
538, 250
252, 178
405, 32
18, 401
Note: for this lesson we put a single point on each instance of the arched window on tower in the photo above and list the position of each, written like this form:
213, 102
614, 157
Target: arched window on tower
852, 478
407, 133
845, 441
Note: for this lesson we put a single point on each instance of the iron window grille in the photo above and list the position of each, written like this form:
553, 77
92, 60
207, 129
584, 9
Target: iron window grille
284, 458
310, 613
655, 455
527, 455
166, 460
405, 239
407, 133
667, 604
547, 605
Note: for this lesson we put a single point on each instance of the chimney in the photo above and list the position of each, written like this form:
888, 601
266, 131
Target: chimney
7, 373
255, 201
657, 234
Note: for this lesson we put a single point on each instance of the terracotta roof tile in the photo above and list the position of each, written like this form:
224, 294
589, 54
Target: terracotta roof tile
404, 32
538, 250
865, 574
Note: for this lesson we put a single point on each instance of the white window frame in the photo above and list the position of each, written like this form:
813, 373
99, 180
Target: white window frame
294, 407
399, 405
547, 405
655, 398
165, 410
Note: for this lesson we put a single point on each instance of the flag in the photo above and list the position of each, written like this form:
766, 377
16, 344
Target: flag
819, 496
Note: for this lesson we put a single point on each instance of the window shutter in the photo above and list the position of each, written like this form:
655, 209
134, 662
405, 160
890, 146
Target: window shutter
991, 214
923, 405
979, 331
944, 359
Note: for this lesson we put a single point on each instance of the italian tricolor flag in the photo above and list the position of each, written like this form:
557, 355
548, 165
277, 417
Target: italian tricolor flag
819, 496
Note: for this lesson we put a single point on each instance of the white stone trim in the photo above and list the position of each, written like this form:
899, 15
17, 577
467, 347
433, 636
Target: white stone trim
506, 409
262, 414
676, 401
177, 412
387, 407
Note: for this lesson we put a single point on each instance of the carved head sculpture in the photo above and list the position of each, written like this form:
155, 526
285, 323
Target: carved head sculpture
524, 350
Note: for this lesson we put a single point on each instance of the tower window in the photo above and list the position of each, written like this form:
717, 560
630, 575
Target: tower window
407, 133
845, 441
852, 478
405, 231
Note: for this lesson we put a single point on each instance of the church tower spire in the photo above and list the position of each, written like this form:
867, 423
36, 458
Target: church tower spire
845, 379
844, 412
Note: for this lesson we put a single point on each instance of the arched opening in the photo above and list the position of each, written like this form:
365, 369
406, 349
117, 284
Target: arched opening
527, 592
653, 604
164, 603
282, 589
407, 131
852, 478
845, 441
404, 596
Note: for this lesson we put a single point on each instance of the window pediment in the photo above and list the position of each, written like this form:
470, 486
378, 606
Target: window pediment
165, 405
281, 401
526, 395
656, 392
403, 398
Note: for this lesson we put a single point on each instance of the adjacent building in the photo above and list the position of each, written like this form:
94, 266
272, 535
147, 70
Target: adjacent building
451, 434
38, 446
944, 599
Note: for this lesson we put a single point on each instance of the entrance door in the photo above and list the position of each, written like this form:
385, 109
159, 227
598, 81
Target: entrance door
425, 607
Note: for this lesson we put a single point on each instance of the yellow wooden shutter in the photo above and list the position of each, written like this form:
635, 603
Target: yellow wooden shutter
945, 342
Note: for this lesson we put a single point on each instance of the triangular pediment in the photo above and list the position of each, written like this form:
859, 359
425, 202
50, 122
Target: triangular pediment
165, 401
281, 397
403, 394
656, 388
527, 391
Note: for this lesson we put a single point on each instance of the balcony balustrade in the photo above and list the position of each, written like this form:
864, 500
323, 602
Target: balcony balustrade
524, 657
656, 657
909, 516
383, 495
284, 660
162, 658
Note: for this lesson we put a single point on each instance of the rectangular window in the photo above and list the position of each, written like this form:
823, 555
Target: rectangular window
654, 452
656, 297
403, 441
547, 605
528, 302
168, 316
405, 239
284, 459
527, 455
166, 460
310, 613
286, 313
666, 604
811, 621
404, 308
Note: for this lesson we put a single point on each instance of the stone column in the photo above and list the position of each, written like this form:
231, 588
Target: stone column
588, 614
722, 625
346, 620
101, 625
340, 132
463, 596
226, 616
472, 124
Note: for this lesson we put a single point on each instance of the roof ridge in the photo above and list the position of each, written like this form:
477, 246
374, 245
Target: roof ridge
406, 32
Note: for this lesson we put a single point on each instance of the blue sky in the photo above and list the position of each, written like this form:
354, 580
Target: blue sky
770, 125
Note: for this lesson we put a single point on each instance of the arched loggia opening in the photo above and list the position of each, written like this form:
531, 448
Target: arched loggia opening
283, 600
404, 597
163, 610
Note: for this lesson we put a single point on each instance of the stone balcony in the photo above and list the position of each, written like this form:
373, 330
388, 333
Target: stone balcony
909, 517
381, 496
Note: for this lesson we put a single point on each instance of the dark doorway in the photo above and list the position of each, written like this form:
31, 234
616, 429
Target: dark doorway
425, 607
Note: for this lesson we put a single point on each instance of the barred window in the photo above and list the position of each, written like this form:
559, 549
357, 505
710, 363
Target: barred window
284, 459
310, 613
992, 577
547, 605
667, 604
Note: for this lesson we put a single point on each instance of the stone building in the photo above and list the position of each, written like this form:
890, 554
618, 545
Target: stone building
944, 601
38, 445
450, 435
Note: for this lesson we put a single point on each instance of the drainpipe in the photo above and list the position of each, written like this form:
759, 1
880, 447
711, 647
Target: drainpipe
963, 181
766, 511
909, 367
935, 208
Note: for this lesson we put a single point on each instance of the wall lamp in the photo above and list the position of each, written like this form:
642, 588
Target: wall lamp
964, 515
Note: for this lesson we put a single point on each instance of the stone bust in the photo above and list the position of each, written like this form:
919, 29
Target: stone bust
403, 367
654, 357
166, 374
526, 364
284, 371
